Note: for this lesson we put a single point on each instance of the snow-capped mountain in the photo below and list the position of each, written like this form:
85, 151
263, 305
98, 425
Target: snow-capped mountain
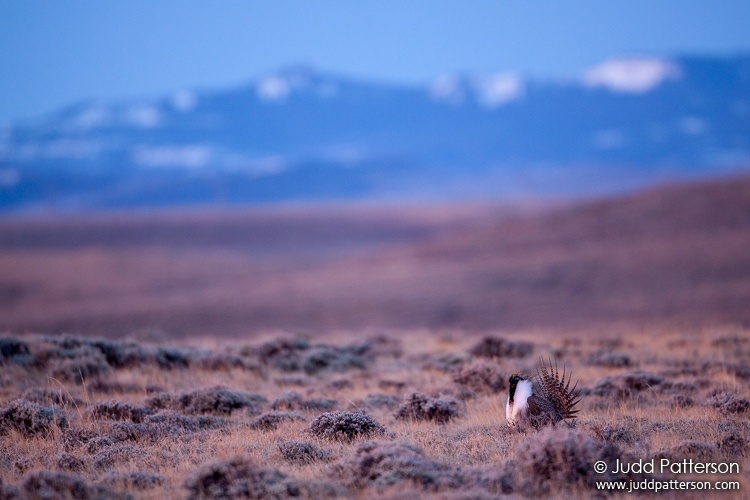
302, 135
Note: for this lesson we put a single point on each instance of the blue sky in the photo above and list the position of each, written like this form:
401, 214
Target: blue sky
53, 53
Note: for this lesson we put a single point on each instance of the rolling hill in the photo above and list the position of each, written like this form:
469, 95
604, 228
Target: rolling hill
674, 255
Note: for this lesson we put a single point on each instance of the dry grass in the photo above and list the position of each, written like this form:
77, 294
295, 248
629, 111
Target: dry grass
365, 416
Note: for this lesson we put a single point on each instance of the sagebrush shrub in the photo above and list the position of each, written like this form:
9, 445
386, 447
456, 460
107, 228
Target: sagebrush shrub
696, 450
617, 433
31, 419
729, 403
11, 347
9, 492
119, 453
610, 359
498, 347
481, 377
561, 459
385, 463
640, 381
118, 410
213, 400
136, 480
78, 364
121, 354
130, 431
387, 401
421, 407
297, 354
49, 484
71, 463
628, 385
345, 426
320, 404
302, 452
239, 478
333, 358
47, 397
289, 400
293, 401
171, 358
283, 354
270, 421
176, 423
74, 438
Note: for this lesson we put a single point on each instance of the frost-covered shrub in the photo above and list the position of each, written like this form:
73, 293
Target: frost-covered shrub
270, 421
561, 459
345, 426
481, 377
498, 347
729, 403
176, 423
11, 347
302, 453
239, 478
118, 410
333, 358
214, 400
134, 480
31, 419
388, 401
78, 364
283, 353
170, 358
293, 401
421, 407
71, 463
46, 397
49, 484
610, 359
385, 463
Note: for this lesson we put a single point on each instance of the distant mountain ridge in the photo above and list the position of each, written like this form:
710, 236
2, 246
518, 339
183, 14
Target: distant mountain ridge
301, 135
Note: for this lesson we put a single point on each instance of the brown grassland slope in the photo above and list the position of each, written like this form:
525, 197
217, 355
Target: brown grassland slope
671, 256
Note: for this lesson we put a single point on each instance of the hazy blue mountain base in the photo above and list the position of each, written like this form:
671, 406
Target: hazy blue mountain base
298, 135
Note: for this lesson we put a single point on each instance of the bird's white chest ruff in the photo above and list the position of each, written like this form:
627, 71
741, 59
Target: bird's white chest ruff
517, 410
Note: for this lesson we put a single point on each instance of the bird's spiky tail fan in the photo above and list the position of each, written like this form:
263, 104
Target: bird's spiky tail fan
557, 390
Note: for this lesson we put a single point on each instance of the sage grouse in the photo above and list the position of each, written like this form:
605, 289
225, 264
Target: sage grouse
556, 399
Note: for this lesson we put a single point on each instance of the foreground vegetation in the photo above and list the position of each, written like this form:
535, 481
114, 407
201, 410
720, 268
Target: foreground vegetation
388, 415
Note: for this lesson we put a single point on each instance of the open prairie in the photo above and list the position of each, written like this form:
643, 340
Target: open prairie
670, 256
365, 416
356, 353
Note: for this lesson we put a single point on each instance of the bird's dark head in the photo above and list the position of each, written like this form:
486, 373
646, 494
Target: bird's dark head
513, 382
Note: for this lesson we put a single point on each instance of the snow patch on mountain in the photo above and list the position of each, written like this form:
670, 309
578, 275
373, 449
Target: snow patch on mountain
55, 149
92, 117
499, 89
490, 91
143, 116
184, 101
273, 88
447, 88
631, 75
192, 156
